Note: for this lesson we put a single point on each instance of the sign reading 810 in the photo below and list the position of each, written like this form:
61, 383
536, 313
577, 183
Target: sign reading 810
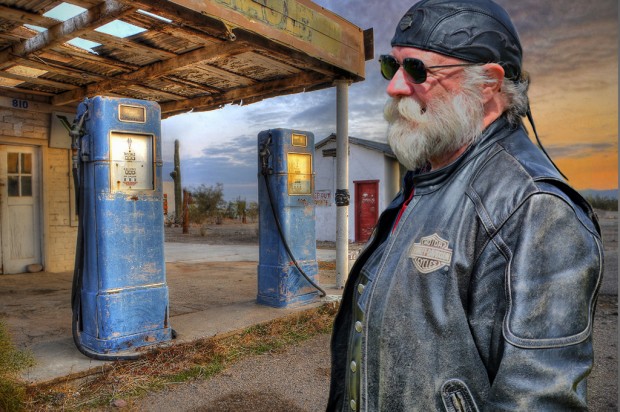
20, 104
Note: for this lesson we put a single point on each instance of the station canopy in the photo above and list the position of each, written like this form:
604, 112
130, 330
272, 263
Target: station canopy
185, 54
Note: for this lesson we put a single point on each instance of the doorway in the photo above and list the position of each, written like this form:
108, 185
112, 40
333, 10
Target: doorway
20, 233
366, 208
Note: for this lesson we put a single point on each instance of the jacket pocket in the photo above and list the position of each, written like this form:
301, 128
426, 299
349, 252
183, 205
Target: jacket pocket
456, 397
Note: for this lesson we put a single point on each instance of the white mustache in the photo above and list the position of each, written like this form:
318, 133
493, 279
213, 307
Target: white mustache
406, 108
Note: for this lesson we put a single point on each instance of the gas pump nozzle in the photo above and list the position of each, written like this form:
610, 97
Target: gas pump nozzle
264, 155
76, 132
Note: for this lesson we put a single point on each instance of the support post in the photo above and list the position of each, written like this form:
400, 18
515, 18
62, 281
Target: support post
342, 182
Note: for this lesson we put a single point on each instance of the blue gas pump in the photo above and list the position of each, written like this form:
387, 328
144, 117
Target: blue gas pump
287, 269
120, 296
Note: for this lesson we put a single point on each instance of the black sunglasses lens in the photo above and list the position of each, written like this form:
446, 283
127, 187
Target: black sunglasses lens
414, 67
389, 66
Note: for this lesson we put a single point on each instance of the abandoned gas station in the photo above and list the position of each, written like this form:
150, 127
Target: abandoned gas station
186, 55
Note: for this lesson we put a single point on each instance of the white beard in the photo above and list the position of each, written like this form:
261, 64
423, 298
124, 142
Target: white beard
418, 135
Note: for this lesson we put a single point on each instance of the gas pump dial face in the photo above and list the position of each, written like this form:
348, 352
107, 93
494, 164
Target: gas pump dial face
299, 173
131, 162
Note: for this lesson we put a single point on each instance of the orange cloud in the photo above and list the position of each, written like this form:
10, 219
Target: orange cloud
576, 115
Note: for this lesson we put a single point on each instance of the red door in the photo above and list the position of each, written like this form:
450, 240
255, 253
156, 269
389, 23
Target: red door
366, 208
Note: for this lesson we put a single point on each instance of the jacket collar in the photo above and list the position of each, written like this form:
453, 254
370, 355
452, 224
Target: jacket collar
430, 181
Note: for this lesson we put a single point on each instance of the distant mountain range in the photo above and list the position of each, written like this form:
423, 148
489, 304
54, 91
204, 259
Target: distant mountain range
606, 194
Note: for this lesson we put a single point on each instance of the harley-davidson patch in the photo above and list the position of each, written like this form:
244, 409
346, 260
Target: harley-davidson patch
431, 253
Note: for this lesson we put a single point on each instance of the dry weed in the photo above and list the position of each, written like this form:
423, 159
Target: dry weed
179, 363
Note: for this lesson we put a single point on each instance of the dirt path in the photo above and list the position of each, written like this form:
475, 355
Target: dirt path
292, 381
298, 379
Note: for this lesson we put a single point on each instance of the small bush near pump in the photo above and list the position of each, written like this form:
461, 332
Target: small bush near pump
12, 391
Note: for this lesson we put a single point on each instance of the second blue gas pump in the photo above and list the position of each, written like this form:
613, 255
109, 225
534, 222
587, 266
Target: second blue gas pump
120, 295
287, 269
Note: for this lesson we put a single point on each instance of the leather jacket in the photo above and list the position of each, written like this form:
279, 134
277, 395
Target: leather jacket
481, 297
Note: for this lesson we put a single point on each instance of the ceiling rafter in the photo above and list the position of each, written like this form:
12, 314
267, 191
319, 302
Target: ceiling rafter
171, 29
64, 31
182, 16
82, 55
37, 80
38, 63
145, 89
194, 85
125, 44
25, 17
241, 93
155, 70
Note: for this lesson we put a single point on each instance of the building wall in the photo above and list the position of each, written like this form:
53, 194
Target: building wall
57, 227
364, 164
59, 208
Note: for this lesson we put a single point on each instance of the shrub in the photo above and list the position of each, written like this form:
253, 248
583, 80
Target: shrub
12, 391
603, 203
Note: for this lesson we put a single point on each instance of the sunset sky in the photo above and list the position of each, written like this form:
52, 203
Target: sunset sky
570, 50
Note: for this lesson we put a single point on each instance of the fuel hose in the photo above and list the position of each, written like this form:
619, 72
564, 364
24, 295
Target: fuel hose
78, 272
265, 171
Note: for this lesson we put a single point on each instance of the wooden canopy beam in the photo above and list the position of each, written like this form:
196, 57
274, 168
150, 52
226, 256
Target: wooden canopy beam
67, 30
152, 71
280, 86
182, 16
37, 80
123, 43
25, 17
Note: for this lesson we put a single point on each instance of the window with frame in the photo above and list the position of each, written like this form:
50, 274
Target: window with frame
19, 174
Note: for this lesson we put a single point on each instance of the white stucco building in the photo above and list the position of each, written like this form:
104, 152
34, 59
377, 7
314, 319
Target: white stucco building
374, 179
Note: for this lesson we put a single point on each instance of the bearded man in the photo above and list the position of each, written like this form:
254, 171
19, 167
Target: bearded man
477, 289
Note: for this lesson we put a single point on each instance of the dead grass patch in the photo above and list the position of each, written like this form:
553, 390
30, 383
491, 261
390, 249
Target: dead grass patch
180, 363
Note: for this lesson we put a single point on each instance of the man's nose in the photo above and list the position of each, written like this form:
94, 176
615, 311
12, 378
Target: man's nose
399, 86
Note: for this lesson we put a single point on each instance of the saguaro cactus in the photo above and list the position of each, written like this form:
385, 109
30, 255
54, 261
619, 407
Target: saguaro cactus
176, 177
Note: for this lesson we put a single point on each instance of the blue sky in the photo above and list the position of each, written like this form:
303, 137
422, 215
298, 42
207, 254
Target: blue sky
570, 50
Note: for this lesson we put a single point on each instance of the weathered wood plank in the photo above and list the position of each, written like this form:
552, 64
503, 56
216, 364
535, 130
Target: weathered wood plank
296, 23
38, 63
37, 80
153, 70
25, 17
64, 31
182, 16
243, 93
125, 44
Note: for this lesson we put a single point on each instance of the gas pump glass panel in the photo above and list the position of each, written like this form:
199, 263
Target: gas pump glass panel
300, 140
299, 173
131, 162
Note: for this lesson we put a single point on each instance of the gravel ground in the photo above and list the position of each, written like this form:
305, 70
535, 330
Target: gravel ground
295, 380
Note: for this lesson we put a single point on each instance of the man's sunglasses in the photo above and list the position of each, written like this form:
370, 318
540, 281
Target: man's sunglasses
414, 67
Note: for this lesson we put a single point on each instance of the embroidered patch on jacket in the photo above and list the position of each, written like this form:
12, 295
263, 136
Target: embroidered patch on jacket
431, 253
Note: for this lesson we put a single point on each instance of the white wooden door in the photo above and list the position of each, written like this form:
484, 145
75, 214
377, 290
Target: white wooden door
20, 235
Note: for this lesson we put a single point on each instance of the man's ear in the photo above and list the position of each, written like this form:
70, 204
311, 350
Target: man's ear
491, 88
